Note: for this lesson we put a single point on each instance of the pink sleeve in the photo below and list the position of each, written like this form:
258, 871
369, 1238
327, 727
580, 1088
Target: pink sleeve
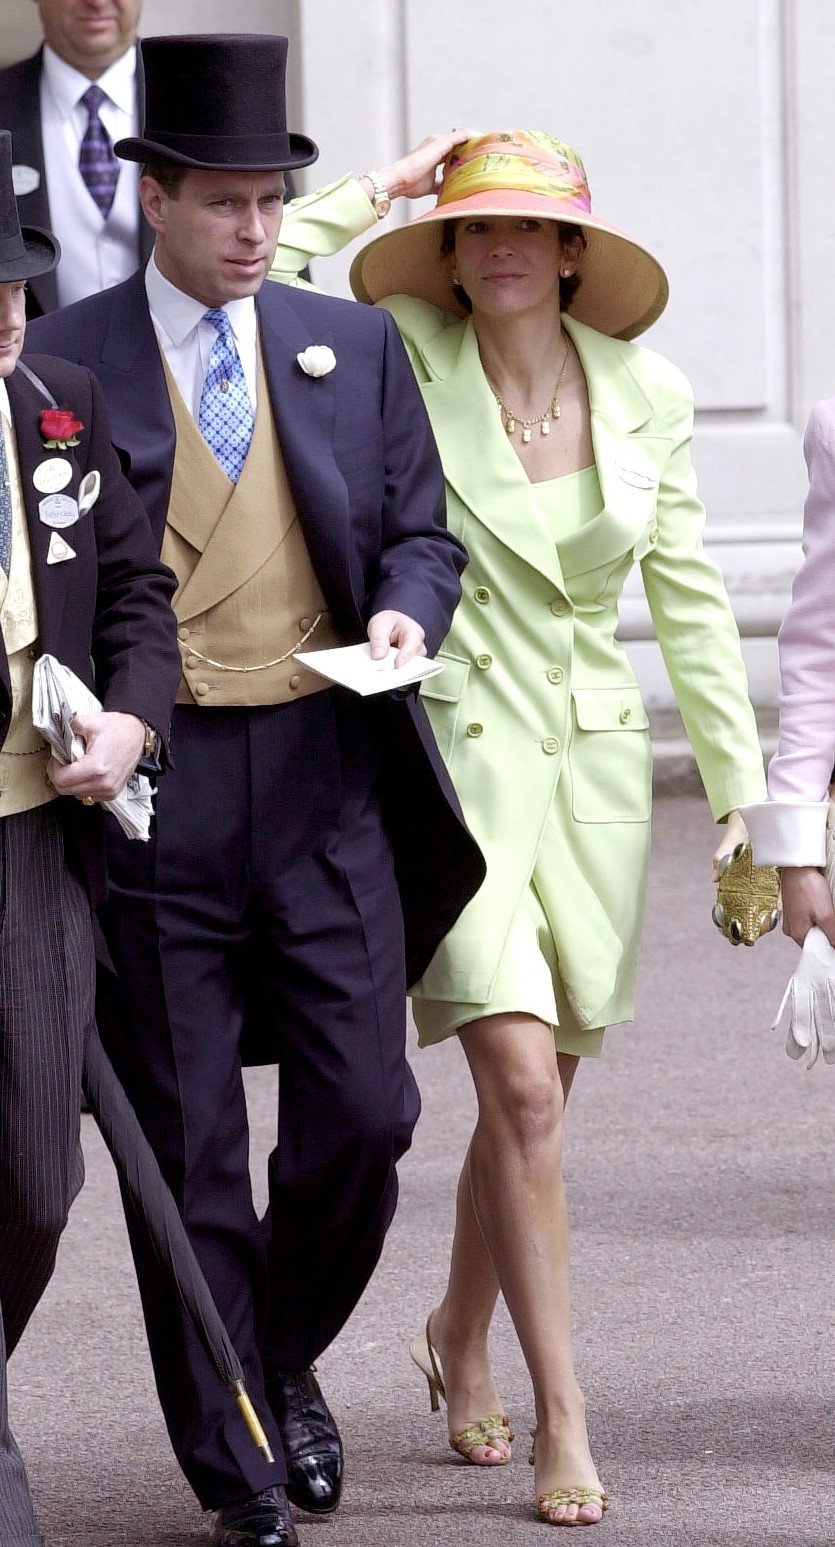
801, 768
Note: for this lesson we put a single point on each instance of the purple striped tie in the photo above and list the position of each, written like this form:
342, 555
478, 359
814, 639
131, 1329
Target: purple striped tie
96, 162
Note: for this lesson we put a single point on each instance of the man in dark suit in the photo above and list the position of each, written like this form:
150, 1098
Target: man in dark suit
65, 106
89, 589
282, 451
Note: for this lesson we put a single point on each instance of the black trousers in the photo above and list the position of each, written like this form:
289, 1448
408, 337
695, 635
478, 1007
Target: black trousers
269, 889
46, 1010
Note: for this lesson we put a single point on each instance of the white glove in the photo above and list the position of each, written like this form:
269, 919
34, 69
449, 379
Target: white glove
810, 996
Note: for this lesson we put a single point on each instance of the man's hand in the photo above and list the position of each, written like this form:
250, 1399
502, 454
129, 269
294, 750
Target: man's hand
112, 748
806, 901
395, 628
416, 174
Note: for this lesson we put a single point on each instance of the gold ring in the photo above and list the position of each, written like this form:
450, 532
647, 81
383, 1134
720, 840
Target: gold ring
87, 800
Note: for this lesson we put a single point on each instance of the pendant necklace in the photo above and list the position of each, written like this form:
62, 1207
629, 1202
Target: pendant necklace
510, 420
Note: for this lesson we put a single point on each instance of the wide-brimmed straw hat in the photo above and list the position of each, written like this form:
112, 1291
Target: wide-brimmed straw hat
521, 172
216, 101
25, 252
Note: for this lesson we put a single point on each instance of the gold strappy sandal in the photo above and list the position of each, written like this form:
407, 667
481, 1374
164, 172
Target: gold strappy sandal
486, 1431
559, 1497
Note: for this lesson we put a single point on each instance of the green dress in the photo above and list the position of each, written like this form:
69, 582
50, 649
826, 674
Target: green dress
528, 980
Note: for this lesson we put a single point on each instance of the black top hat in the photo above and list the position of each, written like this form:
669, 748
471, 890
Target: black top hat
26, 253
203, 94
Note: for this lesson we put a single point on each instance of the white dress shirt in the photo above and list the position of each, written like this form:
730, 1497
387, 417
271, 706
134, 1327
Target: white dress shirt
95, 252
186, 339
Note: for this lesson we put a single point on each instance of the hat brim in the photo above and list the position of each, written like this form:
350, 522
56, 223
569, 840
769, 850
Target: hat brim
42, 254
623, 291
223, 155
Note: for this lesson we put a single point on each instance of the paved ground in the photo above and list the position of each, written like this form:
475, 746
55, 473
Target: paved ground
700, 1165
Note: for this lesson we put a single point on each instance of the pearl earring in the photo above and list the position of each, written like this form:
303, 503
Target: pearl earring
565, 273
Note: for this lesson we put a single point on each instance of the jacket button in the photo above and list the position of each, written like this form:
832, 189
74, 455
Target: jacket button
294, 681
559, 607
183, 633
474, 729
202, 689
653, 534
482, 594
304, 624
625, 714
556, 674
551, 745
192, 662
484, 662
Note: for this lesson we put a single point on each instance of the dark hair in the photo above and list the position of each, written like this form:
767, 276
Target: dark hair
569, 285
167, 174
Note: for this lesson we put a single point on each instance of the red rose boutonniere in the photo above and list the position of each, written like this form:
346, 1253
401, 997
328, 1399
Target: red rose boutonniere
59, 428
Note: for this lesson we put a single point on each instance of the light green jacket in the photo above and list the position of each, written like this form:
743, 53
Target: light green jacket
538, 714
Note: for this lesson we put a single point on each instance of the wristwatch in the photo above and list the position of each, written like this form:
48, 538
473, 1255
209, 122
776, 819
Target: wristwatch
381, 198
150, 745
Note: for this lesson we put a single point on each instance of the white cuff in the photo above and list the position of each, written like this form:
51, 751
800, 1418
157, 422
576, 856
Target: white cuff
787, 832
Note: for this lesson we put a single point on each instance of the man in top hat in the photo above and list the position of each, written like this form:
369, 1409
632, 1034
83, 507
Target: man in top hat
282, 452
65, 107
76, 586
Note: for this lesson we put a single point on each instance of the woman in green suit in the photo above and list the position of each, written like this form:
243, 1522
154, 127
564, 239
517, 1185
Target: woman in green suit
566, 453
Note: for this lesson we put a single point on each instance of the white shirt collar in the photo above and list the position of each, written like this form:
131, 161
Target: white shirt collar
68, 85
179, 314
5, 406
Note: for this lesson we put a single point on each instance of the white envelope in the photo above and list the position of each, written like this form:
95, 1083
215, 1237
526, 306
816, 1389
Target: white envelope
352, 667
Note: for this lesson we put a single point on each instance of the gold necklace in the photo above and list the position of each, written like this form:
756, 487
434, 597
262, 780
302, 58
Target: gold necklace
553, 411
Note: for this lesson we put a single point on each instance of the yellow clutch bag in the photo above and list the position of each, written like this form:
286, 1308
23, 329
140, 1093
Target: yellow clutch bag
747, 897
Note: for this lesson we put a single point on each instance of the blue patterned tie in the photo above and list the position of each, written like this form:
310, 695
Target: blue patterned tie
5, 508
96, 162
225, 417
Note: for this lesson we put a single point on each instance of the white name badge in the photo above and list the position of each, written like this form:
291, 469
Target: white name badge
59, 550
638, 477
25, 179
52, 475
58, 510
88, 491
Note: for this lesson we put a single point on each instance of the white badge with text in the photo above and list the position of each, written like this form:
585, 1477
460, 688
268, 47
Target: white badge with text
52, 475
58, 510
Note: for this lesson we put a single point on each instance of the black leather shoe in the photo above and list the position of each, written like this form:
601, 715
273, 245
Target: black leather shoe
310, 1438
263, 1520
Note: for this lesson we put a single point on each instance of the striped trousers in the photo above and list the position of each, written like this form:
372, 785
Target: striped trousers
46, 1010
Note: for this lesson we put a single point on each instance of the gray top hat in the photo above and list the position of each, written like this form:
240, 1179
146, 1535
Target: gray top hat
24, 253
204, 94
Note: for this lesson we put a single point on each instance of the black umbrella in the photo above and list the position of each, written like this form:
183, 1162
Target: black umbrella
139, 1169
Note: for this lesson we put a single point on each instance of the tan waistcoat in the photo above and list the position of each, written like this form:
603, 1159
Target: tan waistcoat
24, 756
247, 592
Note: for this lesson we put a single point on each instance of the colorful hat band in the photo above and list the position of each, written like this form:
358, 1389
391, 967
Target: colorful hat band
522, 162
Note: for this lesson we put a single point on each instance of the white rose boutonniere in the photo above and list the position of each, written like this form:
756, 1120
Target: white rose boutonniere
317, 360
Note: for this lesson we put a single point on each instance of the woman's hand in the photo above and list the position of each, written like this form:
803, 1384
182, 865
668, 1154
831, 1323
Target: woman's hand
806, 901
416, 174
735, 832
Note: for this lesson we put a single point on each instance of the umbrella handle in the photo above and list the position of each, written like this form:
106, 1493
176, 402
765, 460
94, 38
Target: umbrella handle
251, 1419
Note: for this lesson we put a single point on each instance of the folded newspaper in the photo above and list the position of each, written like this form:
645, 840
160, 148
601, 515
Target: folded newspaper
58, 694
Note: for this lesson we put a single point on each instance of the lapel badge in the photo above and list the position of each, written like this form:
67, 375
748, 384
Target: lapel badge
53, 474
59, 550
88, 492
637, 477
58, 510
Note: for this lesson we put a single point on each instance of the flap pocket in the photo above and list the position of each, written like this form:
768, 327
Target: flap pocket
449, 684
610, 709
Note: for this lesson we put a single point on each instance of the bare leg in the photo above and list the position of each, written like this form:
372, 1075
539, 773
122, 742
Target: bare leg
524, 1239
461, 1323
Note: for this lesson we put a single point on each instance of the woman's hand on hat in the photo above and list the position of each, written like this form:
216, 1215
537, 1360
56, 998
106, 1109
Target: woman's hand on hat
417, 174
